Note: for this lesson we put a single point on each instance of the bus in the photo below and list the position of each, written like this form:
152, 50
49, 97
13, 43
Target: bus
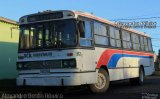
73, 48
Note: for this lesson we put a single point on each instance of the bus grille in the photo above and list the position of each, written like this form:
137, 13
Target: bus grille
51, 64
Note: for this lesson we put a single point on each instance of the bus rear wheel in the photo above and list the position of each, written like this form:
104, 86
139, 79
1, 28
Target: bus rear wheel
103, 82
139, 80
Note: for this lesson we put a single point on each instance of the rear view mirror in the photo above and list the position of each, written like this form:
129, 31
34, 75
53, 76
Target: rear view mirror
81, 27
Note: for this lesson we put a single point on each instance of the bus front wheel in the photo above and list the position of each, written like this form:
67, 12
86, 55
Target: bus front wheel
102, 84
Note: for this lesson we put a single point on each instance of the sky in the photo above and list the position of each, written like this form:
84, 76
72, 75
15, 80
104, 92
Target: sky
111, 10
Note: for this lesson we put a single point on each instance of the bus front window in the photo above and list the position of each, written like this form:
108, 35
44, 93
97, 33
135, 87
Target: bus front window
24, 44
55, 34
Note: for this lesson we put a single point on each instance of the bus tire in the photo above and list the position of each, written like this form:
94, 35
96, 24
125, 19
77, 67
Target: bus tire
103, 82
139, 80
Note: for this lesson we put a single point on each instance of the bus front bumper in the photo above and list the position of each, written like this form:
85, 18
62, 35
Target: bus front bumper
63, 79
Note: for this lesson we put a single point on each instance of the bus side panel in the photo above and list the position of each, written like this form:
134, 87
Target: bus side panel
88, 60
115, 67
123, 64
132, 62
116, 74
131, 67
149, 69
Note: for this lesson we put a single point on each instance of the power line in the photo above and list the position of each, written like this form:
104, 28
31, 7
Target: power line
135, 18
155, 46
156, 38
155, 34
145, 15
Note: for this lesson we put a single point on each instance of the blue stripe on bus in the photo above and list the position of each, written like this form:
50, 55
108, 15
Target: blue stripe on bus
114, 59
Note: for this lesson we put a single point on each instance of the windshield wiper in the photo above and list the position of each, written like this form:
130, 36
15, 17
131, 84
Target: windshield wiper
57, 39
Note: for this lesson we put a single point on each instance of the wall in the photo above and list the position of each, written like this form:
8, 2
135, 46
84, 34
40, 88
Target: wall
8, 51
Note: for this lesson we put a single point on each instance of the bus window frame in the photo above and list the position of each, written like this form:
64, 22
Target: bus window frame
107, 33
81, 18
130, 42
150, 43
115, 39
121, 38
44, 48
133, 42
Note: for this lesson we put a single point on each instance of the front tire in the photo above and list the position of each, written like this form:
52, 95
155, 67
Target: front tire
139, 80
103, 82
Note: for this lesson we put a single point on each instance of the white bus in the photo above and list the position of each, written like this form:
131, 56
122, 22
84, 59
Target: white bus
71, 48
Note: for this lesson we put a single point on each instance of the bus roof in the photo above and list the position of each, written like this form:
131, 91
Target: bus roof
75, 14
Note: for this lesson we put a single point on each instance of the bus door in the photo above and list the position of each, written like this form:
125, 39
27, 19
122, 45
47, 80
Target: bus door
86, 42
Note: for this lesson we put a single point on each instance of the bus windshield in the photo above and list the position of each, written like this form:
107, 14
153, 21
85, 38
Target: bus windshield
54, 34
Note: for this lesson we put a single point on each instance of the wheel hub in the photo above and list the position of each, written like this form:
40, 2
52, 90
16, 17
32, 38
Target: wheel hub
101, 81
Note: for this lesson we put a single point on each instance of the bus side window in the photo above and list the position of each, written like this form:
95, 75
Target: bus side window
117, 37
135, 41
150, 45
126, 40
100, 34
86, 35
142, 43
145, 44
112, 37
115, 40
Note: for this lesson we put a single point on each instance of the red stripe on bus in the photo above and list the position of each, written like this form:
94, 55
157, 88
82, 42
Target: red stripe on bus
107, 54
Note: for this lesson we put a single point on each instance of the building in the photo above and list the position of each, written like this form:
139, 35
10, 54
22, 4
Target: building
9, 35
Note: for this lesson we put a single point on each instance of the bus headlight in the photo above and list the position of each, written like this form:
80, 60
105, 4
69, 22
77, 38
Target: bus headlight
71, 63
19, 66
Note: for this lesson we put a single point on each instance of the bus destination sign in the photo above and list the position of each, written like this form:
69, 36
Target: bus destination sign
43, 17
